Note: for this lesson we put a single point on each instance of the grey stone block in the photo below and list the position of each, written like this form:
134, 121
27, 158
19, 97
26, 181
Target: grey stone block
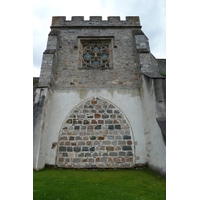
92, 149
122, 153
126, 148
85, 149
69, 149
129, 153
113, 154
104, 116
77, 149
117, 126
110, 137
126, 137
62, 149
81, 155
97, 127
93, 138
111, 127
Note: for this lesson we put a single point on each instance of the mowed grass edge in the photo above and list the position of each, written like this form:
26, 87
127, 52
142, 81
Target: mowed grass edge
72, 184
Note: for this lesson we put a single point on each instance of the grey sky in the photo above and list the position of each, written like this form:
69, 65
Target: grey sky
152, 15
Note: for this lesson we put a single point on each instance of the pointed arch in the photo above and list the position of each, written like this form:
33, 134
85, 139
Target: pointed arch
96, 134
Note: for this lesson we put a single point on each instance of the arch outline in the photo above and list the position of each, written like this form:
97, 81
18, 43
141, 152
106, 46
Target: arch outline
96, 134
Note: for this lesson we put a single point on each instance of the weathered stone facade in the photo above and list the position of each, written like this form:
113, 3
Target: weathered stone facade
94, 103
63, 53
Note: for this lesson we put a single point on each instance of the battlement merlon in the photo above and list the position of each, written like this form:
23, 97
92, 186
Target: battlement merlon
95, 21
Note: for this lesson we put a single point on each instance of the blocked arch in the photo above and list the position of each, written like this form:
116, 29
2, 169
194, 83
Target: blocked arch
96, 134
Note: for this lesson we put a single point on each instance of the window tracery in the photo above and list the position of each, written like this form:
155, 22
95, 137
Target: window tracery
96, 56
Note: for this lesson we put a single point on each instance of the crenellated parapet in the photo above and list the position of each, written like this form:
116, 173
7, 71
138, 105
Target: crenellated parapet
112, 21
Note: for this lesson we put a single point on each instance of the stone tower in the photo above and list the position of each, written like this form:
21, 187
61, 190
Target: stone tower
100, 101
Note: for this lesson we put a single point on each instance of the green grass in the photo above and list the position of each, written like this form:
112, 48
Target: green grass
63, 184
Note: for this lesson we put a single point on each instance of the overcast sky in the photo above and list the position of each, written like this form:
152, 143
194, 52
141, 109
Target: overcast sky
152, 15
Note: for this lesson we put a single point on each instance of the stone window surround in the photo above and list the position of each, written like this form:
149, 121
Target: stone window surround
81, 40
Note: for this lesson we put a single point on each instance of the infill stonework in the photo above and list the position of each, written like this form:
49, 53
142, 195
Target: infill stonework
88, 139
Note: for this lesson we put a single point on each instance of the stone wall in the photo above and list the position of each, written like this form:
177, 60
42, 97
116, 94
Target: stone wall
95, 134
99, 117
124, 73
61, 60
61, 103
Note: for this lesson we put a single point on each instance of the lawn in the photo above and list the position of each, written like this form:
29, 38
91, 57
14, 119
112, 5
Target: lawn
63, 184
